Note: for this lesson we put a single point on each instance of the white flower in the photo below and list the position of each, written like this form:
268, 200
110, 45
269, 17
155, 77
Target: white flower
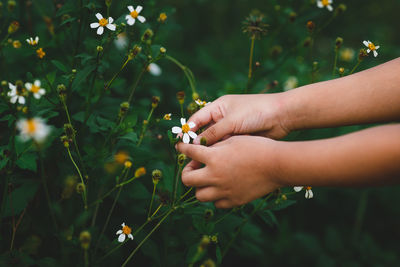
34, 128
134, 14
126, 231
167, 117
154, 69
122, 41
290, 83
309, 194
35, 89
371, 47
32, 41
325, 3
185, 130
15, 94
103, 23
201, 103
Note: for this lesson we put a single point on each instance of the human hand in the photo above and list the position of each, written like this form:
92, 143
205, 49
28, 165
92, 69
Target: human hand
237, 170
261, 114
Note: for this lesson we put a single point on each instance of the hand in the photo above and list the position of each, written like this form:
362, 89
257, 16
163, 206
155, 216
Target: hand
237, 170
260, 114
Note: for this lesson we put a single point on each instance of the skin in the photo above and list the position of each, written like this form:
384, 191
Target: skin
240, 164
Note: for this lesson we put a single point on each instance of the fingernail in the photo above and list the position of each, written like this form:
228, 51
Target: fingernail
176, 146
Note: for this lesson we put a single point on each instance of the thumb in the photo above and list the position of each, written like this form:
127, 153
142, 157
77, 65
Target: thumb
216, 132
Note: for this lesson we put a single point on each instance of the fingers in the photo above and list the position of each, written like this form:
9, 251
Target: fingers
196, 178
204, 116
196, 152
223, 204
216, 132
207, 194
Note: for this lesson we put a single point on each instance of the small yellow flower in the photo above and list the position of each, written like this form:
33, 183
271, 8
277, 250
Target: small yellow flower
162, 18
16, 44
125, 231
33, 42
134, 14
167, 117
35, 88
201, 103
185, 130
40, 53
121, 157
103, 23
128, 164
140, 172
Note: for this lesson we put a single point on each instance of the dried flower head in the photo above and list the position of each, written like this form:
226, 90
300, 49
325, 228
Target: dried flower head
255, 26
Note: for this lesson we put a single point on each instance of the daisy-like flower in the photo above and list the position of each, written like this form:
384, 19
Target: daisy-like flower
32, 41
185, 130
16, 94
35, 89
154, 69
309, 194
34, 128
325, 3
103, 23
167, 117
125, 231
371, 47
134, 14
201, 103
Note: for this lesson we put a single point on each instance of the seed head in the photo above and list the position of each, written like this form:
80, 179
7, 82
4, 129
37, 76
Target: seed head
181, 97
254, 25
362, 54
85, 238
134, 52
14, 26
154, 101
338, 42
156, 175
181, 159
147, 35
310, 26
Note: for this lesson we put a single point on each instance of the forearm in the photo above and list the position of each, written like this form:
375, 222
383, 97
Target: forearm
368, 157
369, 96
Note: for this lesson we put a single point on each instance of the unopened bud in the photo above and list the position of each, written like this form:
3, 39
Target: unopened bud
140, 172
181, 97
128, 164
208, 214
181, 159
16, 44
80, 188
205, 241
65, 140
195, 96
341, 8
11, 4
162, 18
14, 26
108, 2
73, 71
284, 197
147, 35
124, 107
310, 25
156, 175
85, 239
338, 42
292, 16
134, 52
154, 101
276, 50
341, 71
99, 48
258, 64
163, 50
69, 130
203, 141
362, 54
307, 42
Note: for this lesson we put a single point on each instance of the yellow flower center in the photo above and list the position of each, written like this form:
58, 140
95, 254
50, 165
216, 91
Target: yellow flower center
103, 22
126, 230
35, 89
308, 187
185, 128
31, 126
134, 14
371, 46
325, 2
40, 53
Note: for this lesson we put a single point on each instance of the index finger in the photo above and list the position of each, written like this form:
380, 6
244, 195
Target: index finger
205, 115
196, 152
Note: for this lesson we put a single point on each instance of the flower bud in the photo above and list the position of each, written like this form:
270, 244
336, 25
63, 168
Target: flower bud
341, 8
108, 2
16, 44
85, 239
315, 65
40, 53
147, 35
214, 238
205, 241
362, 54
123, 108
181, 159
203, 141
73, 71
292, 16
80, 188
25, 110
69, 130
195, 96
338, 42
11, 4
127, 164
134, 52
62, 91
156, 175
258, 64
99, 48
208, 263
154, 101
208, 214
310, 25
14, 26
276, 50
307, 42
162, 18
167, 117
341, 71
181, 97
163, 50
140, 172
69, 186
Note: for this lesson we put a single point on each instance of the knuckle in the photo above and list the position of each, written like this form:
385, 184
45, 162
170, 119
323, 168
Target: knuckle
186, 179
200, 197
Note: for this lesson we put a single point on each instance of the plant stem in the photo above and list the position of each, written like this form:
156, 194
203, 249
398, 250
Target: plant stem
46, 191
188, 73
182, 113
335, 62
103, 196
253, 37
147, 237
116, 74
86, 258
152, 199
176, 183
80, 176
145, 127
355, 67
144, 69
187, 192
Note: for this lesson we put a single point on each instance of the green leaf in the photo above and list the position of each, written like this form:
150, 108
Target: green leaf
132, 136
51, 77
27, 161
283, 204
3, 107
20, 198
268, 217
60, 66
81, 76
68, 20
218, 254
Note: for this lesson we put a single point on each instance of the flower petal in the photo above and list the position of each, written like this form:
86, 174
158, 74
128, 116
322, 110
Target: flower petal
130, 20
141, 19
12, 86
110, 20
21, 100
329, 7
121, 238
130, 236
365, 43
119, 232
176, 130
186, 138
13, 99
99, 16
309, 194
130, 8
42, 91
368, 50
28, 86
138, 9
191, 124
375, 53
377, 47
297, 188
100, 30
192, 134
37, 83
183, 121
36, 95
111, 27
319, 4
94, 25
